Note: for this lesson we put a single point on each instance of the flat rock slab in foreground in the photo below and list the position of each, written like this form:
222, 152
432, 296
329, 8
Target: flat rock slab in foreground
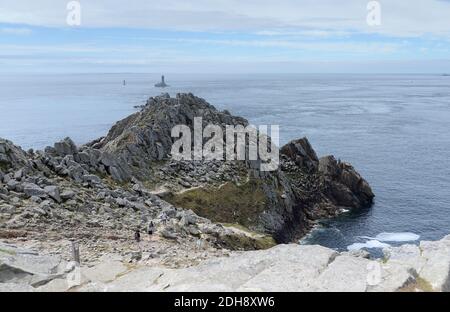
282, 268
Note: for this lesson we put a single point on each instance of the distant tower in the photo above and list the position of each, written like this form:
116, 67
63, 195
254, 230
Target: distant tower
161, 84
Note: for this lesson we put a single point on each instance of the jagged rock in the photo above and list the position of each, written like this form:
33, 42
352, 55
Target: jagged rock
65, 147
302, 153
53, 192
282, 203
67, 194
92, 178
31, 189
14, 185
18, 174
346, 186
11, 156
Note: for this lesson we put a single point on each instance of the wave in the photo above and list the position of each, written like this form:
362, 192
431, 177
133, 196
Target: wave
394, 237
369, 244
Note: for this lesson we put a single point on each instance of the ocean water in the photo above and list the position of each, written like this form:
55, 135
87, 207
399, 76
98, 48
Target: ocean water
393, 128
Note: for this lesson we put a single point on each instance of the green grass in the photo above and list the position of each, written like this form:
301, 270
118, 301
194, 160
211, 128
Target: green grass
4, 166
226, 204
249, 240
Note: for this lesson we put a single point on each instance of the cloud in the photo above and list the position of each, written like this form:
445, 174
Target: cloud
313, 17
347, 46
16, 31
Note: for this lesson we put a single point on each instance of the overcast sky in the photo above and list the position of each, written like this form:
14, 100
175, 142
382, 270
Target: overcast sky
225, 36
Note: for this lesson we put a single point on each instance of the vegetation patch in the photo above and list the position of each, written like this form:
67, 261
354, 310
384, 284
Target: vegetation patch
419, 285
4, 166
229, 203
244, 239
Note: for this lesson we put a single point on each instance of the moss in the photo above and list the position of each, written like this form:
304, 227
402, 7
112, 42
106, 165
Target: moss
4, 166
228, 203
245, 239
419, 284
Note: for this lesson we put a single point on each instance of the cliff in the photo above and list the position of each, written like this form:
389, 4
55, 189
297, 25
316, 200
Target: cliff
128, 178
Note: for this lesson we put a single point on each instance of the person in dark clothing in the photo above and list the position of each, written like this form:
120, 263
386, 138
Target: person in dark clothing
151, 228
137, 235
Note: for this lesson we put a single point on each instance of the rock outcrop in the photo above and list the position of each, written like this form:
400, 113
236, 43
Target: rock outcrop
131, 169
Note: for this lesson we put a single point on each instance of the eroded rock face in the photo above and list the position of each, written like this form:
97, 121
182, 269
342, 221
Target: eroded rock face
136, 153
344, 185
11, 156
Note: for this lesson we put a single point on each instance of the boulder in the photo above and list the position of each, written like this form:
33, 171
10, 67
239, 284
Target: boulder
53, 192
31, 189
91, 178
67, 194
65, 147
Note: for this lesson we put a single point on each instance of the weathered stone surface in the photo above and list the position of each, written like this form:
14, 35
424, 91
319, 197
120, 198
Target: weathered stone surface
53, 192
67, 194
65, 147
13, 287
23, 266
430, 261
31, 189
436, 269
302, 153
105, 271
281, 268
346, 187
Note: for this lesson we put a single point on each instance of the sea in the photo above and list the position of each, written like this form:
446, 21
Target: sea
394, 129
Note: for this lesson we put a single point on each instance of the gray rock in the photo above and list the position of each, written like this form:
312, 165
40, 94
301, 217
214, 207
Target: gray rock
91, 178
22, 266
67, 194
302, 153
53, 192
168, 233
12, 185
436, 269
18, 174
65, 147
31, 189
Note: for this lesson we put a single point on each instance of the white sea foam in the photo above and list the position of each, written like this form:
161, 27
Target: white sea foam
368, 244
394, 237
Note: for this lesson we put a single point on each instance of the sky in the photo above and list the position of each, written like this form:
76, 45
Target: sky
225, 36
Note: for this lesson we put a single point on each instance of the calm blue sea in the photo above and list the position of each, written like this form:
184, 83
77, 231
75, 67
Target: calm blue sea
393, 128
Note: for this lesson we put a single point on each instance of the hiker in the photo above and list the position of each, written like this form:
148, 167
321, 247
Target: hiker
164, 217
137, 235
151, 228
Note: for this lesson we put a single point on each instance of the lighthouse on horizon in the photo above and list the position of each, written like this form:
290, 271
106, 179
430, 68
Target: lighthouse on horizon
161, 84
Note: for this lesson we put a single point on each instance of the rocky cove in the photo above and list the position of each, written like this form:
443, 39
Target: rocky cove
213, 219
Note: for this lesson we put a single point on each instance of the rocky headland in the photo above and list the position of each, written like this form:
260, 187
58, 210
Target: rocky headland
99, 193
